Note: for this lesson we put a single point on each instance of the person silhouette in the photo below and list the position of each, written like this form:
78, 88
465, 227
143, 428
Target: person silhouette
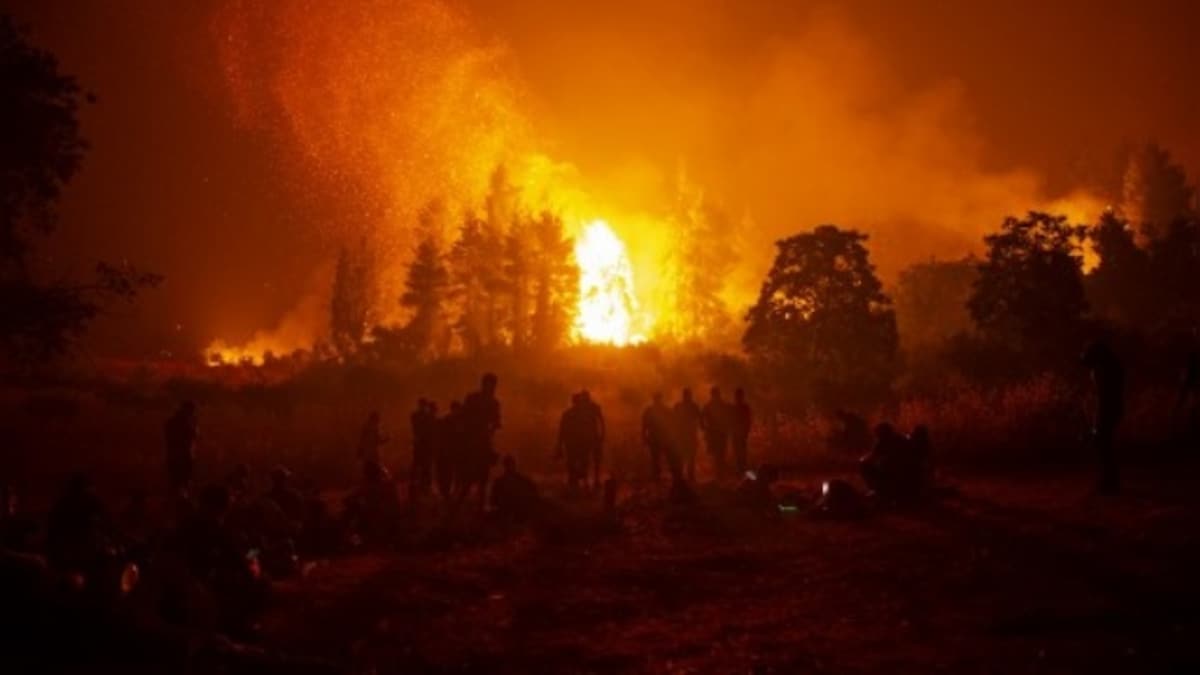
448, 454
573, 441
716, 423
372, 438
687, 425
1108, 376
180, 434
423, 421
515, 497
595, 433
743, 420
481, 421
656, 433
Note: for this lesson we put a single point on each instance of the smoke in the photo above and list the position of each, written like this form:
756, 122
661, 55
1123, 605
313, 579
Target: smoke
387, 105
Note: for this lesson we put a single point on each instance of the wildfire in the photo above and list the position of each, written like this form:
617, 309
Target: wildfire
608, 310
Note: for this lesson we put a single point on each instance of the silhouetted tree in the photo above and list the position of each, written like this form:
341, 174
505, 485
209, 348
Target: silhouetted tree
518, 282
1120, 287
425, 291
701, 262
1155, 192
555, 282
1175, 261
1029, 295
822, 321
470, 260
931, 301
352, 298
41, 149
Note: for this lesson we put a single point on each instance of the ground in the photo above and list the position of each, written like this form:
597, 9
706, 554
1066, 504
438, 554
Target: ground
1014, 574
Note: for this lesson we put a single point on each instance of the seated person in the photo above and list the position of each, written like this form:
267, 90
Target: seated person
515, 496
755, 489
890, 470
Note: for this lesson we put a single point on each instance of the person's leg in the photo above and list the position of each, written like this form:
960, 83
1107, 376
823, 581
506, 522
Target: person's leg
655, 462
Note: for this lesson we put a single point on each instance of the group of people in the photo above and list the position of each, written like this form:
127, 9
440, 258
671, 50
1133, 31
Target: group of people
672, 433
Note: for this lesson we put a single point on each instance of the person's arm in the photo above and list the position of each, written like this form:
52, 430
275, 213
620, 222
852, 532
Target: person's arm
600, 422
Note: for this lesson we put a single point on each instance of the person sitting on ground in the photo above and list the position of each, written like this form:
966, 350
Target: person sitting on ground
888, 470
515, 496
16, 529
852, 434
75, 530
373, 509
289, 499
754, 492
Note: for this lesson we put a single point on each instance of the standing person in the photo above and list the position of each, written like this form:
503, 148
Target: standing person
596, 433
573, 441
481, 421
686, 416
424, 422
656, 434
715, 422
180, 434
371, 439
448, 452
1109, 377
743, 420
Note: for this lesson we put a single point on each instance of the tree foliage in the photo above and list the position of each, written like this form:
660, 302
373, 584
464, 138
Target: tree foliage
352, 301
931, 301
822, 322
1029, 295
41, 149
1155, 192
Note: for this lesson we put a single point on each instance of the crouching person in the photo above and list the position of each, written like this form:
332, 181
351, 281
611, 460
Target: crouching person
515, 497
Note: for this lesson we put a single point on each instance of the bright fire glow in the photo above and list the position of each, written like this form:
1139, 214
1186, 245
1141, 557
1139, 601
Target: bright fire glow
608, 310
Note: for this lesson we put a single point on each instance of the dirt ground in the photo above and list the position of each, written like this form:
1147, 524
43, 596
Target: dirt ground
1014, 574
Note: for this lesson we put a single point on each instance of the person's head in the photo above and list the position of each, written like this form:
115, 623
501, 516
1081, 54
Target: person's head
576, 399
421, 404
920, 435
488, 383
431, 407
715, 393
739, 395
188, 408
687, 394
455, 406
884, 431
585, 396
510, 464
373, 418
657, 398
1096, 353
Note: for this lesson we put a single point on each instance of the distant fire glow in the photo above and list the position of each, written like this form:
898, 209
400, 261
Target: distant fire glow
608, 309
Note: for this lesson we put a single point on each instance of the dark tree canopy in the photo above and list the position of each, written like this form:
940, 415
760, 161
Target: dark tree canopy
1155, 192
1029, 294
1119, 288
931, 301
41, 148
822, 321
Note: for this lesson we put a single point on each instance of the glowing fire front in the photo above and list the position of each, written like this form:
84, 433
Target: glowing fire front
608, 311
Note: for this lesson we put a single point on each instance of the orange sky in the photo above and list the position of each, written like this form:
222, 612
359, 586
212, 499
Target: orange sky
914, 121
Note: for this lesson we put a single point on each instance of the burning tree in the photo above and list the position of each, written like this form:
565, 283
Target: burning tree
353, 297
822, 326
700, 264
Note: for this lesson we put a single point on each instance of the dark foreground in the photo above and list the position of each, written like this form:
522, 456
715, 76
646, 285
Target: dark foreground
1013, 575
